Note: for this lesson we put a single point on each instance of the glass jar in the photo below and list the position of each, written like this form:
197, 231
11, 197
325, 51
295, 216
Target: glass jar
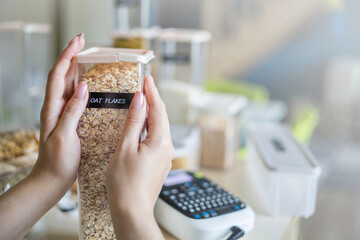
113, 76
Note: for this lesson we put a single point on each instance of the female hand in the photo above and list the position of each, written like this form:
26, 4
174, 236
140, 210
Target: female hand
137, 171
59, 153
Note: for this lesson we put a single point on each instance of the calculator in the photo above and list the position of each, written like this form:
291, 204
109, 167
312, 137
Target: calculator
190, 206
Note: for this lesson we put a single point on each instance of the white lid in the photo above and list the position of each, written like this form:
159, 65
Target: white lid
108, 55
26, 27
147, 33
184, 35
279, 150
220, 103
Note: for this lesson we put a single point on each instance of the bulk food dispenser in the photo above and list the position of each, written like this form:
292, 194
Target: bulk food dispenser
113, 75
182, 55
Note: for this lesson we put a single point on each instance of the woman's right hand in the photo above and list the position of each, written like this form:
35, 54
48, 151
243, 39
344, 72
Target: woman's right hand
137, 170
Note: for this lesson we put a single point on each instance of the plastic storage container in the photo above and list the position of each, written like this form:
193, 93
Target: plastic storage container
285, 173
183, 55
219, 121
132, 14
113, 75
178, 96
186, 140
25, 60
139, 38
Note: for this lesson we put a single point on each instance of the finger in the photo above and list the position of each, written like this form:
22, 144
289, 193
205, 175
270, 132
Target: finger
56, 82
73, 110
158, 124
54, 102
134, 123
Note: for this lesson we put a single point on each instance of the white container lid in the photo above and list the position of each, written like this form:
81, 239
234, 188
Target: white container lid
184, 35
279, 150
223, 104
26, 27
108, 55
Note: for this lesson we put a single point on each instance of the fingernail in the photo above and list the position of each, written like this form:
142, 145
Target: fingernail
138, 100
81, 91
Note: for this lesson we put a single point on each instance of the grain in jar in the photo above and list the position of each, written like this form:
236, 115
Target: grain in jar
113, 76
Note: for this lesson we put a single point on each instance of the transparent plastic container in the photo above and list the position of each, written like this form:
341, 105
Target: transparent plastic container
131, 14
183, 55
138, 38
186, 140
26, 48
113, 75
12, 75
38, 61
285, 173
218, 117
178, 96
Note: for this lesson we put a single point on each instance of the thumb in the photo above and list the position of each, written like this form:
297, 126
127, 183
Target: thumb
134, 122
73, 110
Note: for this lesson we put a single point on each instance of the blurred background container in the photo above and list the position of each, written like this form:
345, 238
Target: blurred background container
296, 62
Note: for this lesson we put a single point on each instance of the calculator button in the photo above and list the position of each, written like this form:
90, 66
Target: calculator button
213, 213
210, 189
174, 191
205, 214
182, 195
191, 193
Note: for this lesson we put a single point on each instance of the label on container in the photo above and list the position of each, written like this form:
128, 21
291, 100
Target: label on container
109, 100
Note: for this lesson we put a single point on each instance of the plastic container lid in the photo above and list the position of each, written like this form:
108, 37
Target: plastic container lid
184, 35
279, 150
220, 103
108, 55
27, 28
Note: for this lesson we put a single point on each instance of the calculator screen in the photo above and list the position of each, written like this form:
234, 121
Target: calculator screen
177, 178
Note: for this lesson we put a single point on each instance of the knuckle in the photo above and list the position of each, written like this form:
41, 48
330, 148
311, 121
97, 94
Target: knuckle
134, 119
71, 108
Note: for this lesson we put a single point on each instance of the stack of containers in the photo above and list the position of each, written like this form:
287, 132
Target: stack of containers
25, 58
183, 55
285, 172
219, 118
113, 76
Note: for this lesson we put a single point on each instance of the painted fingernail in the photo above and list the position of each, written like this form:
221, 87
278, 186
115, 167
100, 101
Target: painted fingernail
138, 100
81, 91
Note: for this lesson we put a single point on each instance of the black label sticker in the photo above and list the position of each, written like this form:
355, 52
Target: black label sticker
110, 100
